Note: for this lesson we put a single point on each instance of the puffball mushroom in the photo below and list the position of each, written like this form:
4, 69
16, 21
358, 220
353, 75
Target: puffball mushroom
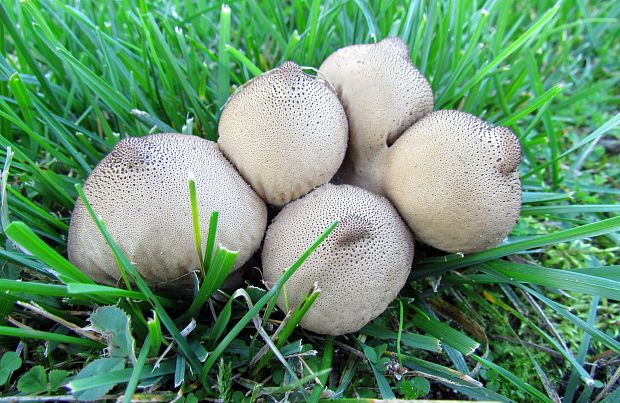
383, 94
285, 132
359, 268
454, 179
140, 191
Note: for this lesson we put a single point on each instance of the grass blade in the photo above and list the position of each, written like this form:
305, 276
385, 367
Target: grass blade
289, 324
585, 231
31, 287
195, 219
535, 104
25, 52
22, 333
410, 340
446, 334
326, 364
137, 370
210, 247
245, 62
525, 37
97, 289
59, 266
594, 136
223, 72
154, 333
553, 278
571, 209
584, 346
223, 262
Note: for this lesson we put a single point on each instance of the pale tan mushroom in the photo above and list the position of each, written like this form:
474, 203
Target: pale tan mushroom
359, 268
140, 191
454, 179
383, 94
285, 132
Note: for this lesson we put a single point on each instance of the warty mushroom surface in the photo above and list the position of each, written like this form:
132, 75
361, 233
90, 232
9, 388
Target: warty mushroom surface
286, 133
359, 268
140, 191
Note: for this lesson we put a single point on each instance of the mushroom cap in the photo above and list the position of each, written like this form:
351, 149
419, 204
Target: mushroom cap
383, 94
360, 267
285, 132
454, 179
140, 191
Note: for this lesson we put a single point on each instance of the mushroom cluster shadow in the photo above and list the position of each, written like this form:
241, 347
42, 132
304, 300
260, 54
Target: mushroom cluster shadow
399, 171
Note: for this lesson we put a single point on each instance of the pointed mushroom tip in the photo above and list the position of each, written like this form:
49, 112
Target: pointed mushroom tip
297, 121
396, 45
393, 40
290, 67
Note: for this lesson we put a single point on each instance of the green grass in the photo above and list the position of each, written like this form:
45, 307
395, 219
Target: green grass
533, 319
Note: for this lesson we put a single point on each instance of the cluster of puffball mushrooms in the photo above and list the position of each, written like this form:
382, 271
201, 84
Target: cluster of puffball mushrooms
366, 123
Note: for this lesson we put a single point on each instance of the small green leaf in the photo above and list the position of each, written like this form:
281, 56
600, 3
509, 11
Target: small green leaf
4, 376
421, 385
114, 323
10, 362
100, 366
57, 378
415, 388
34, 381
380, 349
371, 354
407, 390
191, 398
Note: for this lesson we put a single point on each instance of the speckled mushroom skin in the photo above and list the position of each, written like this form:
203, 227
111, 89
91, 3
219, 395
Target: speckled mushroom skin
454, 179
383, 94
359, 268
285, 132
140, 191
